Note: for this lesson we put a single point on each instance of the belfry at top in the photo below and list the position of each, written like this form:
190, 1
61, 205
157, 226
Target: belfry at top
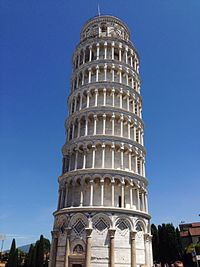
102, 217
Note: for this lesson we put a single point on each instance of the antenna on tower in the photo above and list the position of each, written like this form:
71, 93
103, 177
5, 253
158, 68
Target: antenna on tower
99, 10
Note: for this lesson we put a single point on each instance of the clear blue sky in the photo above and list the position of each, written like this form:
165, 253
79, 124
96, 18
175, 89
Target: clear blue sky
37, 39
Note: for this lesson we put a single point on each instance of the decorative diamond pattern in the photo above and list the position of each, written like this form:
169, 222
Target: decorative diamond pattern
79, 227
101, 225
122, 225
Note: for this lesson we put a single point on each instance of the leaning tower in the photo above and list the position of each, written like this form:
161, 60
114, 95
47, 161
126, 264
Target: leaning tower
102, 217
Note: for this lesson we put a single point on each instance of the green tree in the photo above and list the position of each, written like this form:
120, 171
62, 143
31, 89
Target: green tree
29, 258
39, 252
155, 242
13, 256
169, 246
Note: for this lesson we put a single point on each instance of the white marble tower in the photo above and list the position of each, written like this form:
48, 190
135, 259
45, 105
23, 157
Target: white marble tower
102, 216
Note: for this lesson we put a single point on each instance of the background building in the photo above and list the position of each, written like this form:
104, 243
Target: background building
189, 233
102, 216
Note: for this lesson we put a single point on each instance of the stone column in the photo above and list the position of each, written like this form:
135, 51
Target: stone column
88, 247
135, 64
89, 76
131, 197
81, 193
97, 51
93, 156
138, 199
120, 97
136, 164
113, 96
113, 155
129, 127
66, 194
141, 170
84, 157
91, 192
130, 157
143, 167
104, 96
95, 124
113, 72
126, 54
76, 159
79, 128
86, 126
105, 72
127, 81
143, 201
102, 191
120, 52
84, 56
88, 99
139, 136
62, 197
113, 193
97, 73
104, 124
73, 185
73, 128
105, 50
146, 244
120, 74
96, 97
131, 58
81, 101
113, 124
134, 132
146, 202
133, 249
68, 232
59, 199
103, 155
90, 57
113, 49
122, 124
112, 247
122, 156
128, 100
132, 82
122, 192
54, 244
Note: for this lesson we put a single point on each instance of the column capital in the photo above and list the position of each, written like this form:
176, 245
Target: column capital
54, 234
104, 115
146, 237
68, 231
88, 232
112, 232
133, 234
104, 90
91, 181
